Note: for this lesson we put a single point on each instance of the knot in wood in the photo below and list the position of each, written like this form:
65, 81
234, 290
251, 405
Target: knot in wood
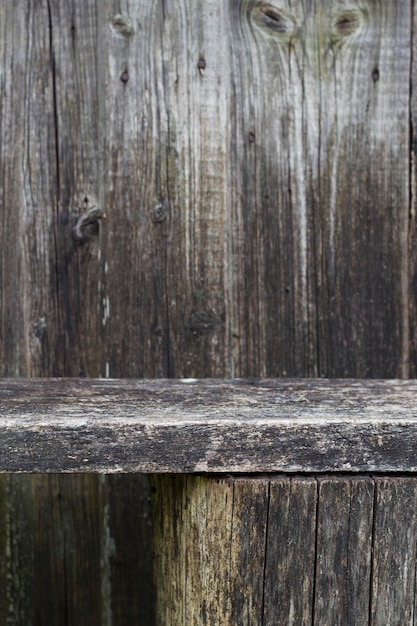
201, 322
86, 225
159, 214
122, 25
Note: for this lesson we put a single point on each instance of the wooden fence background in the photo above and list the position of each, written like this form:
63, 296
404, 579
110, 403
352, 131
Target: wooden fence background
191, 188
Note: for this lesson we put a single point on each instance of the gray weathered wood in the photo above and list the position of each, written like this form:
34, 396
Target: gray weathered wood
393, 582
290, 558
343, 551
324, 292
208, 426
257, 207
53, 301
257, 215
412, 237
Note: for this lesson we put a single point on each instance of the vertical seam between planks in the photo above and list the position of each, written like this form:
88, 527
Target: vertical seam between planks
262, 616
169, 371
371, 575
406, 339
317, 236
58, 184
415, 584
230, 545
316, 543
54, 92
185, 513
65, 550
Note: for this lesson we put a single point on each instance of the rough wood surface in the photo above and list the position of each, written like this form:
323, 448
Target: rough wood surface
66, 535
67, 425
284, 550
393, 581
257, 213
290, 559
252, 160
343, 551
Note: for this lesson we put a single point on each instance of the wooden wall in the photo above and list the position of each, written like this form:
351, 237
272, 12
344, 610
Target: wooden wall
255, 165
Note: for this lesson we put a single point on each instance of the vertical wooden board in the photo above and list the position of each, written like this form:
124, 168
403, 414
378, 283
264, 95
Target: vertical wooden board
28, 192
168, 551
394, 552
167, 179
275, 324
290, 552
191, 520
136, 232
343, 558
80, 266
247, 545
412, 243
126, 552
67, 567
318, 88
206, 586
365, 188
17, 552
193, 83
209, 549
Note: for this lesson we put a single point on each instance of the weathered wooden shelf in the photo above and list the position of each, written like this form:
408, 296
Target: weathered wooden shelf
104, 425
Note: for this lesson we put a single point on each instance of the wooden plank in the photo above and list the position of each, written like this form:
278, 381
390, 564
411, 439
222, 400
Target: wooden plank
55, 536
343, 559
76, 335
210, 550
394, 552
18, 586
290, 552
412, 239
191, 93
27, 190
211, 426
247, 555
68, 550
126, 555
321, 236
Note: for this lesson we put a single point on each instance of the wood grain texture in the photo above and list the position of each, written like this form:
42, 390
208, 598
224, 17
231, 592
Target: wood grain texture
208, 550
257, 215
412, 235
66, 535
393, 583
292, 550
17, 551
343, 557
67, 552
68, 425
253, 164
126, 551
325, 223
